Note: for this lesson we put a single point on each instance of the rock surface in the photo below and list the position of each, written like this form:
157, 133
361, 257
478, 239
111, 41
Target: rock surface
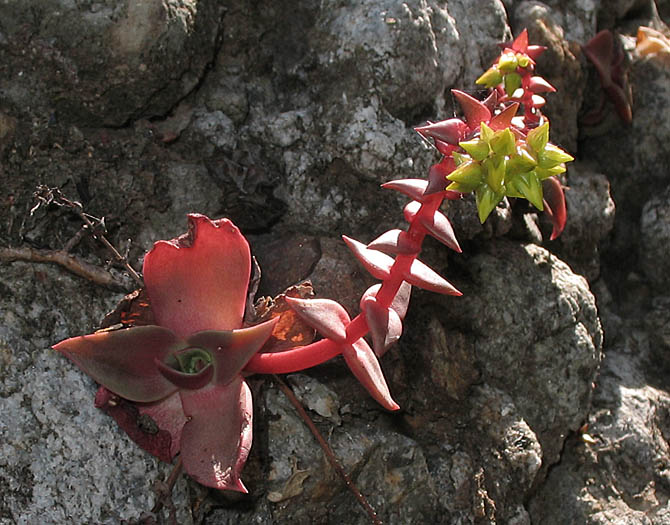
286, 116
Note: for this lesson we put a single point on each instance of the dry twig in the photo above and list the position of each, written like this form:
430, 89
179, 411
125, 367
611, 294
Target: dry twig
71, 262
328, 451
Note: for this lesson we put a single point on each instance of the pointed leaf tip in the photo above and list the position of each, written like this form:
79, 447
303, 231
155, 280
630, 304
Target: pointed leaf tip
450, 131
554, 200
363, 363
395, 242
413, 188
424, 277
475, 112
123, 360
375, 262
438, 225
328, 317
384, 323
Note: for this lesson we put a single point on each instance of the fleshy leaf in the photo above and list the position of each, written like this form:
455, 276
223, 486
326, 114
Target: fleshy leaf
375, 262
156, 427
503, 120
438, 225
413, 188
199, 281
529, 186
552, 156
424, 277
490, 78
384, 323
232, 350
328, 317
468, 174
395, 242
363, 363
400, 302
216, 440
537, 138
437, 178
123, 360
554, 200
540, 85
476, 148
512, 83
487, 200
475, 112
450, 131
520, 43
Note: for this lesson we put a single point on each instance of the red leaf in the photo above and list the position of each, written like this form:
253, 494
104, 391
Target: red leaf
451, 131
400, 302
199, 281
215, 442
554, 205
329, 318
475, 112
123, 360
384, 323
156, 427
375, 262
438, 225
233, 349
504, 119
540, 85
413, 188
437, 177
520, 43
424, 277
395, 242
363, 363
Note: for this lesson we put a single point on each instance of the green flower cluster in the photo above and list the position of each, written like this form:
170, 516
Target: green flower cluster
505, 71
500, 164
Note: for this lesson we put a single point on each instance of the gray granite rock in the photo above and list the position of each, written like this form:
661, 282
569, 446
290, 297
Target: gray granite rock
591, 213
655, 241
106, 62
286, 116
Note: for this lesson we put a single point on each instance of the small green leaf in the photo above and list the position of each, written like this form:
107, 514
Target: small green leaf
529, 185
544, 173
512, 83
460, 158
485, 132
522, 162
553, 156
503, 142
487, 200
538, 138
468, 173
507, 63
491, 78
477, 148
462, 187
192, 360
495, 174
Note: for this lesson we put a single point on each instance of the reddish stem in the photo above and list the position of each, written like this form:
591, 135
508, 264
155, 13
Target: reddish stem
314, 354
293, 360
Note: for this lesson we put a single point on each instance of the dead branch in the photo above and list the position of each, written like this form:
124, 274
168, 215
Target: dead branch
72, 263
